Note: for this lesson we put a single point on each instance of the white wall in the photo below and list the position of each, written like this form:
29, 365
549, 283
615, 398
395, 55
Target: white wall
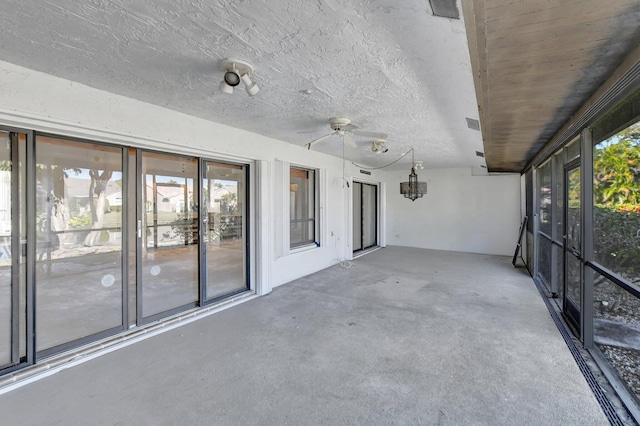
33, 100
460, 212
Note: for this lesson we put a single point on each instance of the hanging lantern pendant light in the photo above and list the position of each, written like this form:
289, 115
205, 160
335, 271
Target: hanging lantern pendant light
413, 189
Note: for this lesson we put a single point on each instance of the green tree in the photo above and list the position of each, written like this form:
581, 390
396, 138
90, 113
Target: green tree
617, 168
616, 190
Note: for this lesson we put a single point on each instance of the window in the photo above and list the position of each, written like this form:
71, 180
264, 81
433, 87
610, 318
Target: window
303, 207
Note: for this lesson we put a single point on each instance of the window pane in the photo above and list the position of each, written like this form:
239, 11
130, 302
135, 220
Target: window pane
529, 196
302, 207
544, 260
224, 195
616, 191
617, 329
544, 197
559, 260
559, 197
170, 233
572, 150
573, 280
79, 240
574, 209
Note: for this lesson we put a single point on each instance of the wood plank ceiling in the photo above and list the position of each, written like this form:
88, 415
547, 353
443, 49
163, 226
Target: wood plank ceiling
535, 62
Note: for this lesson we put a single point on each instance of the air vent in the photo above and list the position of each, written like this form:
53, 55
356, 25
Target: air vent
480, 154
445, 8
473, 124
365, 172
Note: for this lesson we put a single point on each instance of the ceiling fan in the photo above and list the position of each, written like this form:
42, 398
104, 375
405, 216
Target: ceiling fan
342, 127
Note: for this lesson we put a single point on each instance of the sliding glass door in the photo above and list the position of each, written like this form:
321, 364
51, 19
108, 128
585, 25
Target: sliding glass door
224, 189
168, 235
96, 239
573, 246
78, 220
365, 216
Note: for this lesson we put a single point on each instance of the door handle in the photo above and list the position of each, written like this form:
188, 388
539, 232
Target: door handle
139, 229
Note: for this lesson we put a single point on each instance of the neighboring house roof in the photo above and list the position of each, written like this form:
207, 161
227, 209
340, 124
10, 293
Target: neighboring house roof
170, 192
76, 187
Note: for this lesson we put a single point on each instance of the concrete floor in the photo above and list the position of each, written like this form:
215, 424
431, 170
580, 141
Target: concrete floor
405, 336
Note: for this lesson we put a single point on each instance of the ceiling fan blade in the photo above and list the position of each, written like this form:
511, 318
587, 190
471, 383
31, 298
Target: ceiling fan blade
349, 141
321, 138
375, 135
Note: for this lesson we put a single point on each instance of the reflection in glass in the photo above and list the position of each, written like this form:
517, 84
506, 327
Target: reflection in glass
79, 240
169, 233
224, 197
573, 245
559, 191
573, 280
544, 198
574, 209
22, 207
6, 304
616, 327
132, 237
616, 191
545, 220
559, 259
544, 260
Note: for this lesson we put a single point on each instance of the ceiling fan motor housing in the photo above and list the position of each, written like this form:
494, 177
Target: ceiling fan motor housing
339, 123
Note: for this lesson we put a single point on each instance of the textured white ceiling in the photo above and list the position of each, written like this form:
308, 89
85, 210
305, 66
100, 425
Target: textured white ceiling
390, 66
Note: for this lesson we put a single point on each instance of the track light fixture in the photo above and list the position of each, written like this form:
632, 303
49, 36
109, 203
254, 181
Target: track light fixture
236, 71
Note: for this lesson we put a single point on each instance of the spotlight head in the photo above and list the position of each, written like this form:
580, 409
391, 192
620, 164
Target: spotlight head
379, 147
225, 88
232, 78
250, 86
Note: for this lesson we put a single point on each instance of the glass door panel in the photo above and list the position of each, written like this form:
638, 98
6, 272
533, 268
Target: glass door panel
369, 215
12, 261
365, 216
357, 216
168, 231
225, 208
558, 226
78, 241
572, 246
7, 307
